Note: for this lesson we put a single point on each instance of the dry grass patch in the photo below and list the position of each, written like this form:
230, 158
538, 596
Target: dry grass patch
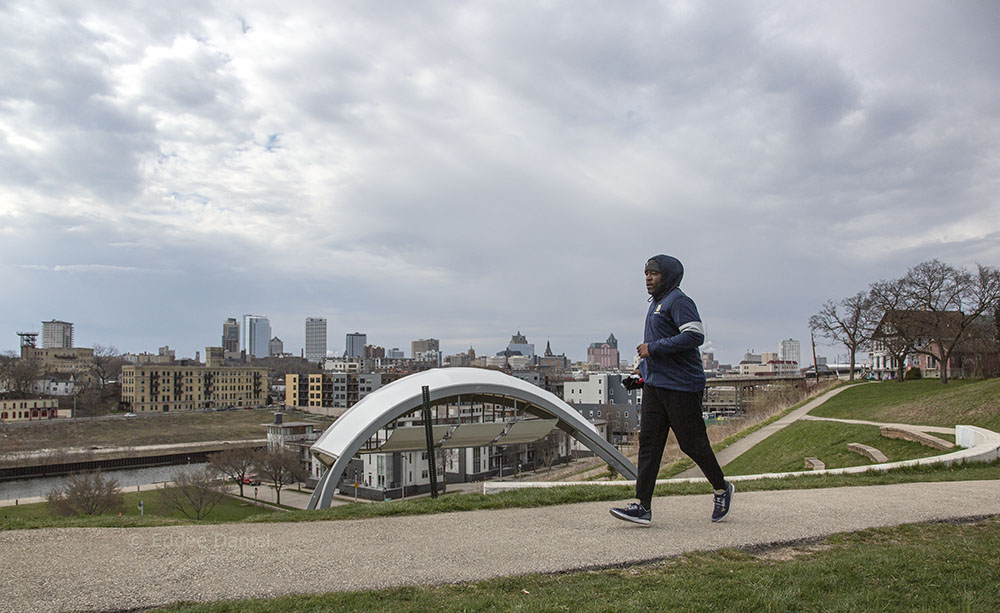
156, 429
792, 552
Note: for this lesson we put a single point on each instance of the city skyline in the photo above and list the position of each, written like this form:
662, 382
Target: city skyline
359, 340
464, 172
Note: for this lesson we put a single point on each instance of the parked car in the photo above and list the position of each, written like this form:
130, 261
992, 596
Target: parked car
248, 480
129, 415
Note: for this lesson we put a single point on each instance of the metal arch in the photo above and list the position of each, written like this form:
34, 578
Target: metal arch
342, 440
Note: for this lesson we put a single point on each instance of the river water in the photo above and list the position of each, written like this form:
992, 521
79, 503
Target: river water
128, 480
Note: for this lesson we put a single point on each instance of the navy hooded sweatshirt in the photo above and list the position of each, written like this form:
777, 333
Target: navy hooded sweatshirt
673, 332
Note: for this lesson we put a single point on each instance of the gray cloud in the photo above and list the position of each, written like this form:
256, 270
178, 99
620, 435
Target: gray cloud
466, 171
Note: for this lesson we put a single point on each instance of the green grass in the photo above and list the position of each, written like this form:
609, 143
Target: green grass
678, 466
925, 402
37, 515
786, 449
927, 567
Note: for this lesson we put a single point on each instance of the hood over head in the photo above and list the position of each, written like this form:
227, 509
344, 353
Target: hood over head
671, 270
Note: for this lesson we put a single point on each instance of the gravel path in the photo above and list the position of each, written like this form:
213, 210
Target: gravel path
111, 568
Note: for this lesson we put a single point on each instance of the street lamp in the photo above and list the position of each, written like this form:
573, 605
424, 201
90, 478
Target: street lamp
255, 500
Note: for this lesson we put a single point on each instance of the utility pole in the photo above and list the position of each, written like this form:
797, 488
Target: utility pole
812, 338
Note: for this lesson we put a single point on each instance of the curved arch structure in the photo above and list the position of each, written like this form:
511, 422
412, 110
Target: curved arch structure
351, 431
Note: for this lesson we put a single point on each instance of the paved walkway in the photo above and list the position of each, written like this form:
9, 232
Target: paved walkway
109, 568
935, 429
733, 451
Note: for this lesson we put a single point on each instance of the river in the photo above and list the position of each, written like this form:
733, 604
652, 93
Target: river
128, 479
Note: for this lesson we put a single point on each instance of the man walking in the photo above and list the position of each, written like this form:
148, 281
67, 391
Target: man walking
673, 380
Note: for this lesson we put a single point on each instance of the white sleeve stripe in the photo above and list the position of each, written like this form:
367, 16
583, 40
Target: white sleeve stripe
693, 326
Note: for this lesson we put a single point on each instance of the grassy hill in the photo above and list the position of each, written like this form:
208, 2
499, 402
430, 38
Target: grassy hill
925, 403
914, 402
786, 450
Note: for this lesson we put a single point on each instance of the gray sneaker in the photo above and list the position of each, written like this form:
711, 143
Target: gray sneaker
635, 513
723, 502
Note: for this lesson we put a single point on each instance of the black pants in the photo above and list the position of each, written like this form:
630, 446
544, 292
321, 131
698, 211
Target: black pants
663, 409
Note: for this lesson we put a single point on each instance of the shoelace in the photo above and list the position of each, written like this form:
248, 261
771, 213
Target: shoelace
635, 506
720, 502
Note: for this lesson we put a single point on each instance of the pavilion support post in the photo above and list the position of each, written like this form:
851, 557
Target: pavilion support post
431, 462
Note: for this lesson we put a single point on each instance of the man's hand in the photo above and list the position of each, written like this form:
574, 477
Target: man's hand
643, 350
632, 382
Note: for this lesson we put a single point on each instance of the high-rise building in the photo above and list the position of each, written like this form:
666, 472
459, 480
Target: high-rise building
275, 347
519, 345
57, 334
315, 339
256, 335
604, 354
355, 346
424, 345
231, 336
788, 350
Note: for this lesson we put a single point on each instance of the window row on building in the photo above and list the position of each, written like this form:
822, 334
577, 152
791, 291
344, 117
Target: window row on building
187, 388
30, 410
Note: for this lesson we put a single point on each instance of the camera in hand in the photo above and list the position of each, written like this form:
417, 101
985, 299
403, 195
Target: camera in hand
632, 382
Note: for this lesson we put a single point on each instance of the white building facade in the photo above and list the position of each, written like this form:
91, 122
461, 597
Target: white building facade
789, 351
602, 388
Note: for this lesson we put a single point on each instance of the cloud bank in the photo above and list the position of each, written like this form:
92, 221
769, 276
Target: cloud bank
430, 169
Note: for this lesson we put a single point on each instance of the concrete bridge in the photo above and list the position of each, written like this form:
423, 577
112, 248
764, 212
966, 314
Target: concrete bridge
733, 394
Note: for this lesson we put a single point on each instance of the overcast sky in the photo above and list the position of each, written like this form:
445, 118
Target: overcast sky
463, 171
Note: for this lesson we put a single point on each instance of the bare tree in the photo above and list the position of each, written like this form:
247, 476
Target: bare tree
281, 468
107, 365
848, 322
981, 348
87, 494
99, 391
952, 299
195, 492
236, 463
893, 332
512, 457
18, 375
547, 449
